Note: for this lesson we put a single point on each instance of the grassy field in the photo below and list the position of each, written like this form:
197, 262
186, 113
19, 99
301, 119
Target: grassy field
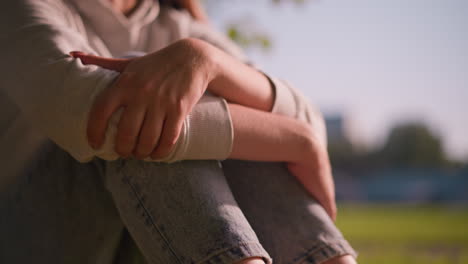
396, 234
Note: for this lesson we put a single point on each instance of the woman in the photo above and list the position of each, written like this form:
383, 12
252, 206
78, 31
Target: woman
165, 106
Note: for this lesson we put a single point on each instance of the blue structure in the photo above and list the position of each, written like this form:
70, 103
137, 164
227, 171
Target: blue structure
406, 186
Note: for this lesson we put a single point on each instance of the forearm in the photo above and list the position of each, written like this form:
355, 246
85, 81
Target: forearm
242, 84
252, 88
261, 136
258, 134
239, 83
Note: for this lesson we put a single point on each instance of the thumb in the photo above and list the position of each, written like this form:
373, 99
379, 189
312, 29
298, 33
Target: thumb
107, 63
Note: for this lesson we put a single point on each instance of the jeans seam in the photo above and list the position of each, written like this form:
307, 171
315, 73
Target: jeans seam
311, 251
150, 217
223, 251
322, 247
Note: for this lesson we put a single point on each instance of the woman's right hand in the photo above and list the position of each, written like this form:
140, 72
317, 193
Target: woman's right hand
263, 136
157, 92
313, 170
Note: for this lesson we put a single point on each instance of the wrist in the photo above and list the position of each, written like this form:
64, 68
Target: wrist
207, 57
216, 62
240, 83
310, 149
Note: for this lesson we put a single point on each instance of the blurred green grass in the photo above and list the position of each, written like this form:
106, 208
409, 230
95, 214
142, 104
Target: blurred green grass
400, 234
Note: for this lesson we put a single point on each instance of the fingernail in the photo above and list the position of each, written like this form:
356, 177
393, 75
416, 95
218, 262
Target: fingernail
76, 54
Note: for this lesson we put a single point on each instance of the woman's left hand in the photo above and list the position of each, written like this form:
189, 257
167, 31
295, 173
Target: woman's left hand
157, 92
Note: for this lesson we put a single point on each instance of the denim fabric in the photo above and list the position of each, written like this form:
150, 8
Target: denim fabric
182, 212
289, 223
61, 211
58, 211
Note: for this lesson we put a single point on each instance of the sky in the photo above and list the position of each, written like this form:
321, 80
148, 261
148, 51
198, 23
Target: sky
376, 62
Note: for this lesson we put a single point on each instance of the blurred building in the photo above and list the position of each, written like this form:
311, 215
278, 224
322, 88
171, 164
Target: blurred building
342, 130
336, 129
406, 186
359, 178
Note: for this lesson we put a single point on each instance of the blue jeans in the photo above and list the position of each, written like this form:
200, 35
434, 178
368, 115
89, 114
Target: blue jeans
62, 211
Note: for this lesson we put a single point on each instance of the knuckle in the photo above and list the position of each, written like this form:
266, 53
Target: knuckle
178, 107
172, 99
145, 89
163, 100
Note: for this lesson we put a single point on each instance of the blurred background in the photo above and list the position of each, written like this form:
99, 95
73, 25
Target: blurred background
391, 77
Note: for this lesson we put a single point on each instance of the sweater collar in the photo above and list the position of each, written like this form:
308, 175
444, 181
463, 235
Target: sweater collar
104, 18
120, 33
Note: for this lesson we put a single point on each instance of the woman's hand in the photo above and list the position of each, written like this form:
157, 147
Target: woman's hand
313, 170
259, 136
262, 136
314, 173
157, 91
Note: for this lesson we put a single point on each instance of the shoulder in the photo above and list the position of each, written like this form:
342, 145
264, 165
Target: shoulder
34, 6
38, 11
39, 16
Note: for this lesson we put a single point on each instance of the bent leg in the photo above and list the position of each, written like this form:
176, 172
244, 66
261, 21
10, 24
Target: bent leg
182, 212
290, 224
57, 211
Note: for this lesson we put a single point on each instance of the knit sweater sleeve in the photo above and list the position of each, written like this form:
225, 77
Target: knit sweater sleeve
55, 92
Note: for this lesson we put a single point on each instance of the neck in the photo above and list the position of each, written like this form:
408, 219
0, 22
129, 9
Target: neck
125, 6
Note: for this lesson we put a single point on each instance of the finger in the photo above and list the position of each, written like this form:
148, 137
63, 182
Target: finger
330, 209
128, 129
170, 134
101, 111
107, 63
150, 133
316, 190
334, 213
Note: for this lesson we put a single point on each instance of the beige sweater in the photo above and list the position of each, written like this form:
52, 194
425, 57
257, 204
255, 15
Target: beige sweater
47, 94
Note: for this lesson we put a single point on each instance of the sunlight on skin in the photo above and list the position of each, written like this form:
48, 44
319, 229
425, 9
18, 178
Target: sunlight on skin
126, 6
347, 259
252, 261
